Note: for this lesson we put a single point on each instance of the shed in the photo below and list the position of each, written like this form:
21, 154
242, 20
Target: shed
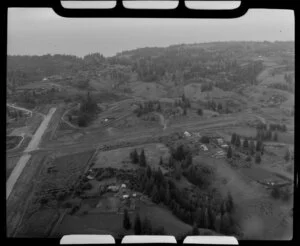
125, 196
187, 134
204, 147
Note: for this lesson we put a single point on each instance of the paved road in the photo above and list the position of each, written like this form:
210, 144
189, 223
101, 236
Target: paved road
33, 145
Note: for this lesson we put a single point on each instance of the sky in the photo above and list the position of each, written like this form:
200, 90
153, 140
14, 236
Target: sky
38, 31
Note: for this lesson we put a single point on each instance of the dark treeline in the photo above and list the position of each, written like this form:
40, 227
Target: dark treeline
204, 210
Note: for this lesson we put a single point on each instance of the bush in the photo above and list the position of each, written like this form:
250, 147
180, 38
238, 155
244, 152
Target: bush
204, 139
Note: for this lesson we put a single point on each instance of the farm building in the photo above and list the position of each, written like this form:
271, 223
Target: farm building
220, 141
203, 147
113, 188
125, 196
187, 134
224, 146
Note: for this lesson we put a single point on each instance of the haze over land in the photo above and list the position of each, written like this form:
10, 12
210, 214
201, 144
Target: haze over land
41, 31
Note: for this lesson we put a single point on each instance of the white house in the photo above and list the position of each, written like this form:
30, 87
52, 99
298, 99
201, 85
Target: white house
220, 141
224, 146
203, 147
125, 196
187, 134
123, 186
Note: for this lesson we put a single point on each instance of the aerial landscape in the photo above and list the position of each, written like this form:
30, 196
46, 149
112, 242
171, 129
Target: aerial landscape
190, 139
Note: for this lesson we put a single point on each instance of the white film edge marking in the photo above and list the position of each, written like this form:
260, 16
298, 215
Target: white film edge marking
149, 239
227, 240
87, 239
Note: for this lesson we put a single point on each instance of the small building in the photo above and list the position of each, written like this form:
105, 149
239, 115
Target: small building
113, 188
187, 134
125, 196
220, 141
203, 147
123, 186
134, 195
224, 146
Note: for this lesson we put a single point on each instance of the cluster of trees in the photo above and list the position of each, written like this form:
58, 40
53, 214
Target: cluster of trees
184, 103
247, 146
148, 107
288, 78
141, 227
278, 127
200, 111
138, 159
266, 135
206, 87
87, 111
218, 107
280, 86
281, 193
203, 211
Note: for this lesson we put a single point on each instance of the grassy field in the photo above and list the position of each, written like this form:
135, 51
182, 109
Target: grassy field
12, 141
119, 158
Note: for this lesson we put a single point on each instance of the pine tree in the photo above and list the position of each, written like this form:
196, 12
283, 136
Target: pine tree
233, 138
229, 152
238, 141
217, 224
195, 230
142, 159
252, 147
161, 163
245, 144
146, 227
167, 197
258, 145
287, 156
230, 205
126, 220
134, 157
257, 158
137, 225
148, 172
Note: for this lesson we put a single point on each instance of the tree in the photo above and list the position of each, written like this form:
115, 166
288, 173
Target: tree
230, 204
126, 220
134, 157
184, 111
275, 193
229, 152
167, 197
257, 158
137, 225
161, 161
238, 141
220, 107
146, 226
217, 224
142, 159
233, 138
226, 224
200, 111
148, 172
258, 145
275, 136
287, 156
195, 230
252, 147
245, 144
